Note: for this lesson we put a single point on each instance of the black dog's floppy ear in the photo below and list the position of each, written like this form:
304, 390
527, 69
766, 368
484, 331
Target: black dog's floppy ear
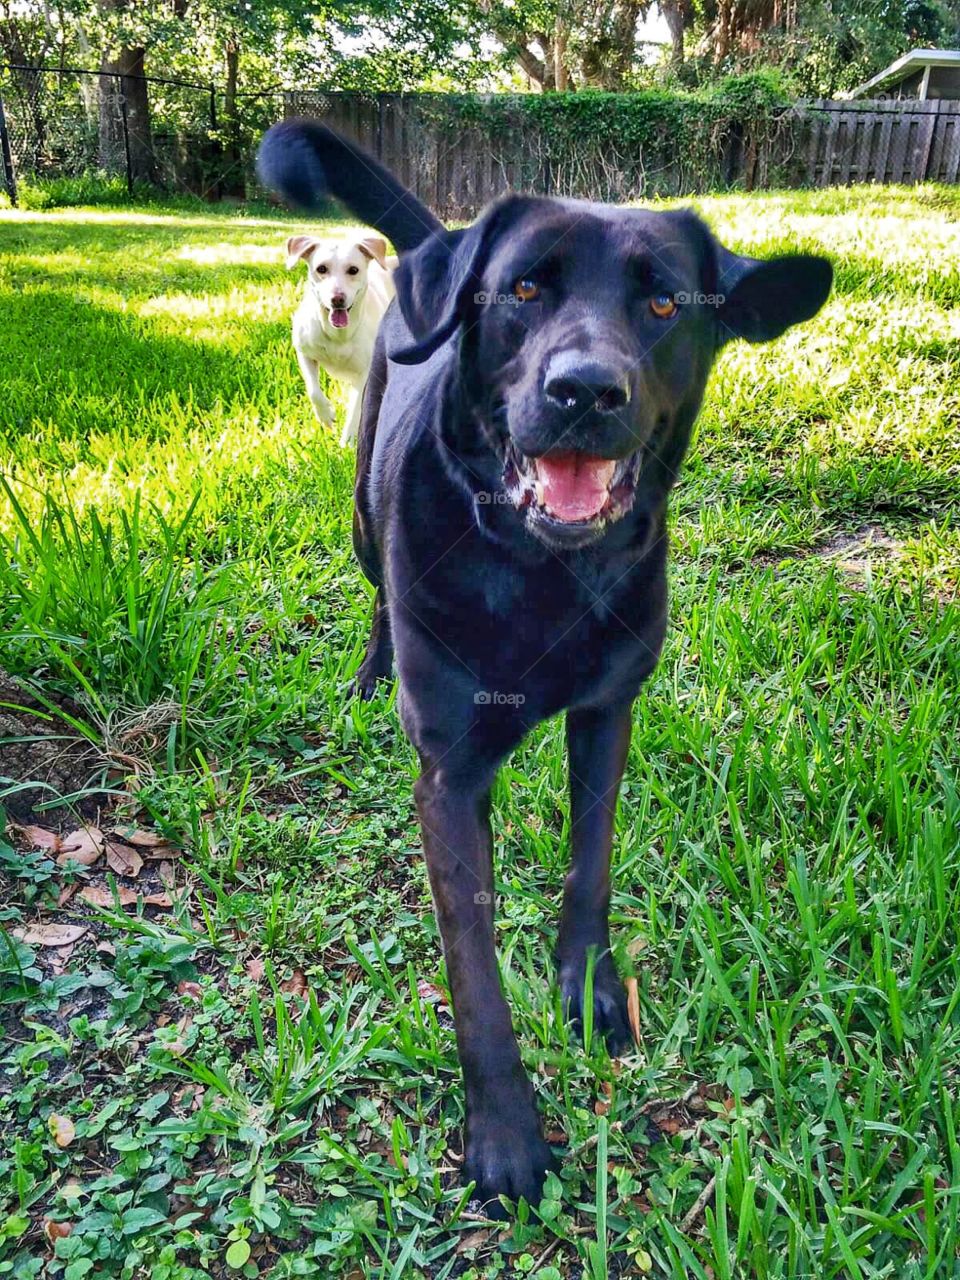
762, 298
435, 281
429, 283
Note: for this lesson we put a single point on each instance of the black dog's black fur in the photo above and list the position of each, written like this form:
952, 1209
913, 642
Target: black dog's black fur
501, 611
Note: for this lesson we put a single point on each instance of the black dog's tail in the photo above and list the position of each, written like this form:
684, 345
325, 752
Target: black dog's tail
305, 162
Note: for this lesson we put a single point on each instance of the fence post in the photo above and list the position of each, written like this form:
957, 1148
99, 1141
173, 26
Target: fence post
216, 149
9, 178
122, 98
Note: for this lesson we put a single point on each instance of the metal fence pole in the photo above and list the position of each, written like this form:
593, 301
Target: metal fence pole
9, 178
122, 98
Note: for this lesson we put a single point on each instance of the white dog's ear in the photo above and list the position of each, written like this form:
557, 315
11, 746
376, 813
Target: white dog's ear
298, 248
374, 247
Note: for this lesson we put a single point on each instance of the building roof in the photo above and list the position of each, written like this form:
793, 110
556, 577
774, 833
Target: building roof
905, 66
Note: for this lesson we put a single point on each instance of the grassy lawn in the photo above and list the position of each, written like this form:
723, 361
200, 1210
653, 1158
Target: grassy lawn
240, 1059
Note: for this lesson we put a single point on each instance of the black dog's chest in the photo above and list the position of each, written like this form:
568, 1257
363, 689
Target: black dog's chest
539, 636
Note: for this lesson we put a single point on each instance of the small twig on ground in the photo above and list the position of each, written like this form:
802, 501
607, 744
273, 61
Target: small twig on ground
701, 1202
592, 1140
548, 1252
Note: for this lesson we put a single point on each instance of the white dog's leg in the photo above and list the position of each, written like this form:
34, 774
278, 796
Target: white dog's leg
352, 425
321, 405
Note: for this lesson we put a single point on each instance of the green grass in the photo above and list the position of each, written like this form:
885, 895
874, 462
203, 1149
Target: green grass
175, 558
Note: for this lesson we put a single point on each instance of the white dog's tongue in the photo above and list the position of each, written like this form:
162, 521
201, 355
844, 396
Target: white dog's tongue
574, 486
339, 318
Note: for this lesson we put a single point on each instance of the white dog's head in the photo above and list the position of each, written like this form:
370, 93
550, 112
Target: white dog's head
336, 272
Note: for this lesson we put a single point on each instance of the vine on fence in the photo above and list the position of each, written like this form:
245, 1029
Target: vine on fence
619, 146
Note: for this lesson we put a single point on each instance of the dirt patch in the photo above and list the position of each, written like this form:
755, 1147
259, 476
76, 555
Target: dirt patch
855, 553
44, 760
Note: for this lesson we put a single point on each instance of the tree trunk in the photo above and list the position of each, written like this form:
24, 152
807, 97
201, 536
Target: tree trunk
125, 143
607, 60
560, 70
232, 182
672, 11
124, 92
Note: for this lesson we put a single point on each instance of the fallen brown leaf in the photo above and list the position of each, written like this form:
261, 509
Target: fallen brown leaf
636, 944
255, 969
473, 1240
296, 984
50, 935
41, 838
158, 900
82, 838
195, 1094
60, 959
123, 860
161, 853
99, 895
55, 1231
430, 991
633, 1007
186, 988
143, 839
62, 1130
179, 1046
168, 877
106, 948
83, 847
66, 893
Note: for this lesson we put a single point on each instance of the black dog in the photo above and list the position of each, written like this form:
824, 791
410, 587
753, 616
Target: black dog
530, 401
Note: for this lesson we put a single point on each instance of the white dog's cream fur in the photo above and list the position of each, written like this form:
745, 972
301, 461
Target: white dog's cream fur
347, 290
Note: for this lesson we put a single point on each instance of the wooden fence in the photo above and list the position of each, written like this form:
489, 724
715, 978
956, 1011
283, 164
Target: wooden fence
864, 141
456, 165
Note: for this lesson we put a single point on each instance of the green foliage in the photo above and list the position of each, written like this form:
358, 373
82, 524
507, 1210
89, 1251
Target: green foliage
89, 190
666, 141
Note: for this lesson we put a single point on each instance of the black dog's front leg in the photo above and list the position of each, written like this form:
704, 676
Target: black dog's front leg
503, 1146
597, 743
378, 660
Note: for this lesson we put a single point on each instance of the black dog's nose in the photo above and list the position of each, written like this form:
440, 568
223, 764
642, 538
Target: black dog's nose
574, 383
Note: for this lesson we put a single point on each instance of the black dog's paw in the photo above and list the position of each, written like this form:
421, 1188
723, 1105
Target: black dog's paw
610, 1018
366, 680
506, 1156
375, 667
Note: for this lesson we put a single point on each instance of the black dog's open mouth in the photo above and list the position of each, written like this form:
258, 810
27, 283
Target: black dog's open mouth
571, 488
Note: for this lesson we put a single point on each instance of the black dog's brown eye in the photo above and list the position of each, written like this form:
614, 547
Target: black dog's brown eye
526, 289
663, 306
352, 271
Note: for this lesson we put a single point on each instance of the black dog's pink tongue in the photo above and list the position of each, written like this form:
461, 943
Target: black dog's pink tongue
574, 486
339, 318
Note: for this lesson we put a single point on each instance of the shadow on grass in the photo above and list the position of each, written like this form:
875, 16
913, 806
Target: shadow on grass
87, 367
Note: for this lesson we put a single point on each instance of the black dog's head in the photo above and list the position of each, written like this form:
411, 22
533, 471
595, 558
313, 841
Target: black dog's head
586, 336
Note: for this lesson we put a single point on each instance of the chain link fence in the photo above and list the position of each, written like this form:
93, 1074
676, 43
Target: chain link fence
176, 135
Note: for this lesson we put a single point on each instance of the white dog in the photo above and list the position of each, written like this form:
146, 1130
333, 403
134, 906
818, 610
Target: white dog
347, 291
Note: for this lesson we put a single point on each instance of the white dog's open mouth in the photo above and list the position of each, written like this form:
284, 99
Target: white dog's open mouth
570, 487
340, 317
